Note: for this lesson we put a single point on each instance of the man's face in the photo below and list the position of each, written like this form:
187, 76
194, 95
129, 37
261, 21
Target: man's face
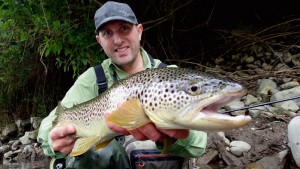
121, 41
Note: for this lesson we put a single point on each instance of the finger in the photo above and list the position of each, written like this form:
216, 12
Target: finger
150, 131
62, 131
60, 144
67, 149
117, 128
176, 133
138, 134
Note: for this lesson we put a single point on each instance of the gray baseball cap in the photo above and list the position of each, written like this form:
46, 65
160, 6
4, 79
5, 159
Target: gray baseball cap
113, 11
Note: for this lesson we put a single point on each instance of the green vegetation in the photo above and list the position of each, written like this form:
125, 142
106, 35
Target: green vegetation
38, 40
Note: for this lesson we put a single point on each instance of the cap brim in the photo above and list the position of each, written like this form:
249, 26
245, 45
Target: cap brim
115, 18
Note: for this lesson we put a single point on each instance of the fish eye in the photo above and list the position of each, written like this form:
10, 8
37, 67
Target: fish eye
194, 90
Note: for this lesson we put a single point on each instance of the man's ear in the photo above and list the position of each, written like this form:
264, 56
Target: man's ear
140, 30
98, 39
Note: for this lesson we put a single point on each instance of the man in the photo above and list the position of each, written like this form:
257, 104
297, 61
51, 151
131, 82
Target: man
119, 34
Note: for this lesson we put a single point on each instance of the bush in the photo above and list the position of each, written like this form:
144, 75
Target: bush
39, 39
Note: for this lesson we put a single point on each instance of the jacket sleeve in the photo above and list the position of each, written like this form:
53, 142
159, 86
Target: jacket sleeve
192, 146
84, 89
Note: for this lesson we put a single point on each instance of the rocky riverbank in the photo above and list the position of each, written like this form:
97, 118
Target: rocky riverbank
18, 143
269, 141
262, 143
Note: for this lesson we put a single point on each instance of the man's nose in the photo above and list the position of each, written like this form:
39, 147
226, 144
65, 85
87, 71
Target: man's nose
117, 39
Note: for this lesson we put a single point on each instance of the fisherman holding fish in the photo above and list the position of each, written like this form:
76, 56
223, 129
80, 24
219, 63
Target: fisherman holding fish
119, 34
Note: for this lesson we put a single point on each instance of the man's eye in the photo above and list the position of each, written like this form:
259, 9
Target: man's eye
106, 33
125, 29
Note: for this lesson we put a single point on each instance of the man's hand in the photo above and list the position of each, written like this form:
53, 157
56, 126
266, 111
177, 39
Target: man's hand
61, 141
149, 132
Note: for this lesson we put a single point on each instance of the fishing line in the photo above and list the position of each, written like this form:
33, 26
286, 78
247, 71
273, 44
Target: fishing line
261, 104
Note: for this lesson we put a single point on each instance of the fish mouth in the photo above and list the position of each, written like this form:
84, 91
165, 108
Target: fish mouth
205, 115
220, 102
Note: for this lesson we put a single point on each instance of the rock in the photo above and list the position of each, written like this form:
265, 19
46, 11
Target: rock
254, 112
258, 63
236, 57
284, 94
230, 159
250, 99
27, 150
238, 147
255, 166
15, 145
36, 121
278, 54
235, 105
288, 105
242, 74
4, 139
222, 135
289, 85
276, 161
274, 91
286, 79
219, 60
10, 130
281, 67
4, 149
294, 138
266, 114
290, 113
32, 134
266, 67
23, 125
252, 66
265, 86
208, 157
259, 70
8, 154
287, 58
296, 60
247, 59
29, 137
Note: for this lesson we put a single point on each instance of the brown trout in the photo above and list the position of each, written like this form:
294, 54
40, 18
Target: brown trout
171, 98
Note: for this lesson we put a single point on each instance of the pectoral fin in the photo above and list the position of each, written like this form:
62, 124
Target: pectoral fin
130, 114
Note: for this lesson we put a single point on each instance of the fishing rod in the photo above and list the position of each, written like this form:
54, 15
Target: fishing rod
262, 104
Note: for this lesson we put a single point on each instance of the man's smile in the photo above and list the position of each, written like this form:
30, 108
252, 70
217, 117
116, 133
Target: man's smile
121, 49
